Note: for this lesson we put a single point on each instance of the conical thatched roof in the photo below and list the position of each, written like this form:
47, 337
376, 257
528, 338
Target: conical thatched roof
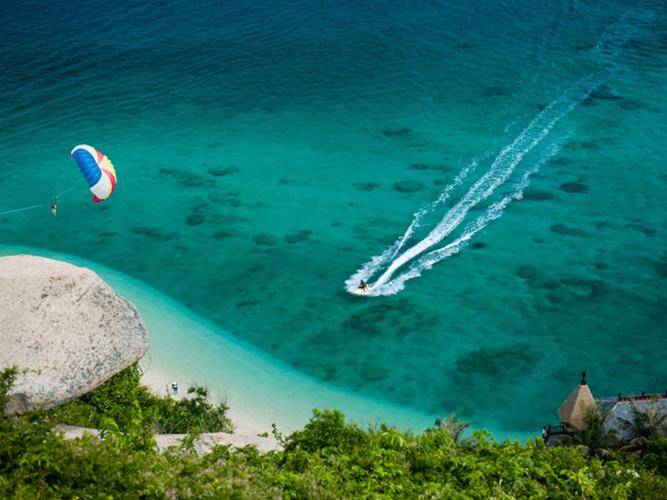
572, 410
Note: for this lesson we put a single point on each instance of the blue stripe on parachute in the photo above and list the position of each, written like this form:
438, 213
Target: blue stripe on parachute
88, 166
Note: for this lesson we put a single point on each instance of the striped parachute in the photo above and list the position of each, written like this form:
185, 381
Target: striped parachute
97, 169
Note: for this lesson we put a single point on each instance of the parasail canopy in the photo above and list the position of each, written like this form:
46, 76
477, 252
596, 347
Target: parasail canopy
97, 169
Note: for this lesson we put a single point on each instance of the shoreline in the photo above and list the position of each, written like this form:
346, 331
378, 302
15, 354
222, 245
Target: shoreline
259, 390
159, 381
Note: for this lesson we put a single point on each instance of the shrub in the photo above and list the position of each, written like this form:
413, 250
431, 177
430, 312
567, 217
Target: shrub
327, 459
122, 402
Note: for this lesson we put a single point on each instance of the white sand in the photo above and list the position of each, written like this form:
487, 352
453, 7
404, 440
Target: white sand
259, 389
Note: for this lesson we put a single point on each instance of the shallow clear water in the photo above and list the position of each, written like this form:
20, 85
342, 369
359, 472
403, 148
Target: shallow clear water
265, 153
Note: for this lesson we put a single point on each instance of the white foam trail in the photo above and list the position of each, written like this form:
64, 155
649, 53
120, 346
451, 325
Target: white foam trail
444, 196
500, 170
502, 167
492, 213
376, 262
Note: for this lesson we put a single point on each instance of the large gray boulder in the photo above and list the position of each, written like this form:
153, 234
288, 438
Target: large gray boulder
64, 328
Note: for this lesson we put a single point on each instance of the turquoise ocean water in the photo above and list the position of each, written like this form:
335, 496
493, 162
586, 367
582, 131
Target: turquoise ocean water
266, 153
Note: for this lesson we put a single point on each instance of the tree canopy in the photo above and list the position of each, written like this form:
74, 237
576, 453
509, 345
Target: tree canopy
328, 458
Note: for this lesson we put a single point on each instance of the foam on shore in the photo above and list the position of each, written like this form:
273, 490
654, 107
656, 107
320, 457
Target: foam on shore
259, 390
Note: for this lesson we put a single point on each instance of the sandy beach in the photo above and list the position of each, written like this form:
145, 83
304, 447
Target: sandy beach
246, 426
258, 389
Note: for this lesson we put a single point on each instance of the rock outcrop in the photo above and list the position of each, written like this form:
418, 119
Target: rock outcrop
64, 328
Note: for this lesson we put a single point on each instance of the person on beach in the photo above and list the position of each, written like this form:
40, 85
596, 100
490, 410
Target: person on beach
174, 388
54, 208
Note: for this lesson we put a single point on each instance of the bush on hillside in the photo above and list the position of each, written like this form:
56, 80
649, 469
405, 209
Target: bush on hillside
328, 459
122, 401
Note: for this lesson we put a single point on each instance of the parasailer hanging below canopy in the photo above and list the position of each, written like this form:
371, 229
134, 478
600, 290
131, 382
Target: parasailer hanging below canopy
97, 169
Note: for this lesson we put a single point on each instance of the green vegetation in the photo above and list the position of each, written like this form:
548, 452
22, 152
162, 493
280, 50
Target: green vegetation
645, 428
122, 401
595, 438
328, 458
454, 427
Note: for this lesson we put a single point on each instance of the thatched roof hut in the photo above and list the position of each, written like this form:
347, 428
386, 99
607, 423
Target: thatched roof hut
572, 410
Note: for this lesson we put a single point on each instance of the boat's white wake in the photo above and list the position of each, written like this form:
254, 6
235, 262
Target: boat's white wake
396, 257
387, 272
493, 212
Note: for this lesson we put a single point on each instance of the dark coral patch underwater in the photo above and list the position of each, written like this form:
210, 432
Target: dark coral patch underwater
494, 363
527, 272
537, 195
302, 235
263, 239
366, 186
407, 186
574, 187
566, 230
195, 219
154, 232
398, 132
219, 172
